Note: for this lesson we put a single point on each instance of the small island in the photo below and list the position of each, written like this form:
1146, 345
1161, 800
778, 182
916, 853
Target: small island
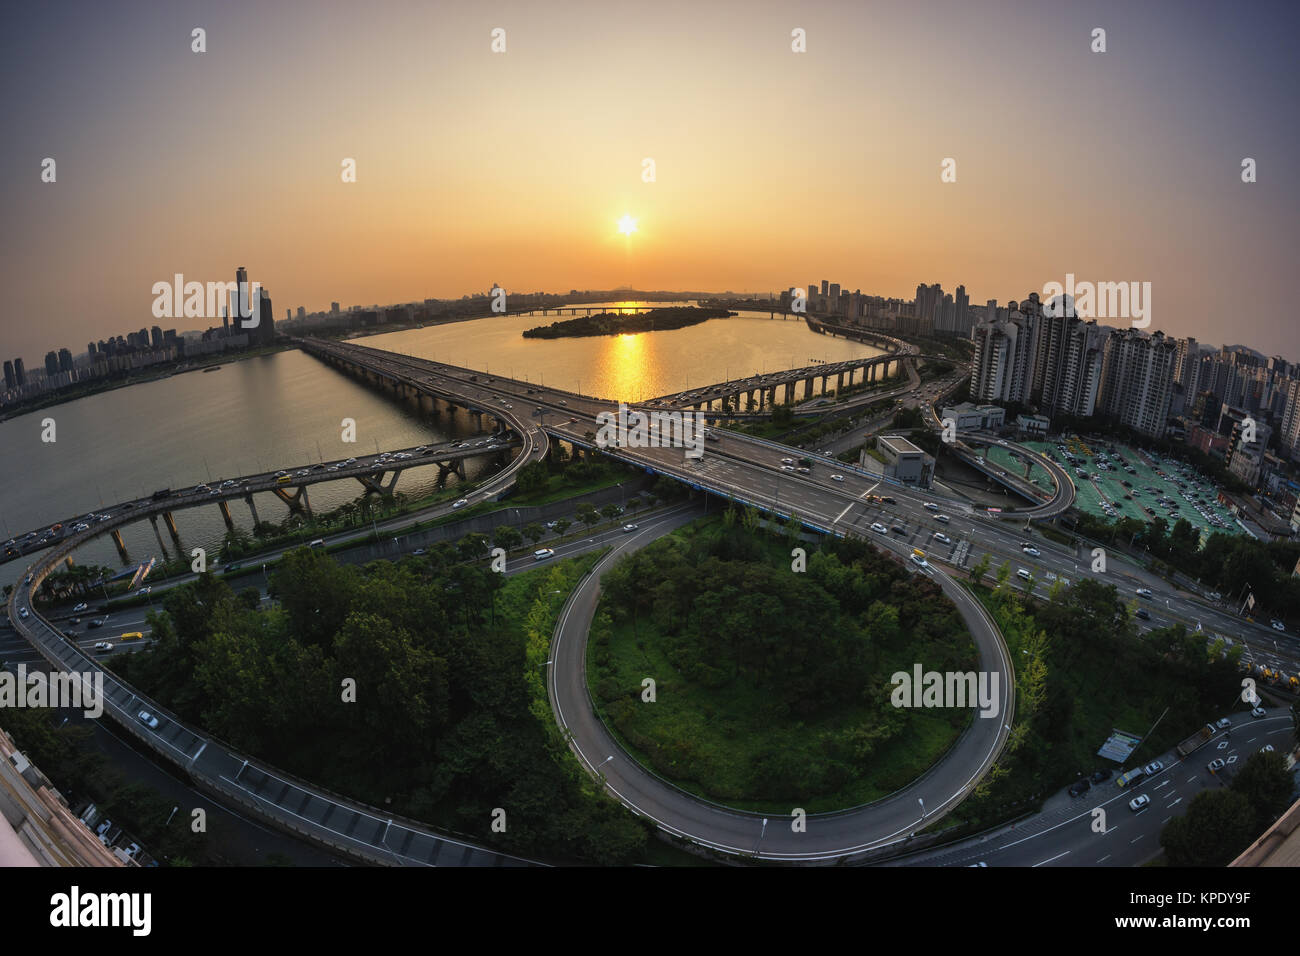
612, 323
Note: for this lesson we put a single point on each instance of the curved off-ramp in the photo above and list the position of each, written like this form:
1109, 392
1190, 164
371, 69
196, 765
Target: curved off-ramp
828, 836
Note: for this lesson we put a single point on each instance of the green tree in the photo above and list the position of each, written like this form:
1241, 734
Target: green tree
534, 532
1218, 825
980, 569
588, 515
562, 525
1264, 781
507, 537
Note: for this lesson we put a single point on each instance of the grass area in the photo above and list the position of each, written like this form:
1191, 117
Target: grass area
714, 741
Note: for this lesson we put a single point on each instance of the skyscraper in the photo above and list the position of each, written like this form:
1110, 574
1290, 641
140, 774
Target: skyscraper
1137, 383
155, 337
51, 364
65, 360
10, 381
20, 373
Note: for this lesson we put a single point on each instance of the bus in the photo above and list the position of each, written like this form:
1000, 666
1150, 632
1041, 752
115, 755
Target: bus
132, 636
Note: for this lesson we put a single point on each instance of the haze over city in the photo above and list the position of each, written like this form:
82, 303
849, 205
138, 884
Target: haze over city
770, 167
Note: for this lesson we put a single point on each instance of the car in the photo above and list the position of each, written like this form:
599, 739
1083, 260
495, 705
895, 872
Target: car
1215, 765
879, 528
1258, 712
942, 538
1153, 768
97, 622
103, 647
418, 551
1143, 614
102, 829
1223, 723
1023, 573
787, 467
74, 620
897, 529
147, 589
1277, 625
318, 467
920, 562
148, 719
132, 850
460, 504
1079, 786
541, 554
1143, 592
1032, 552
22, 612
629, 527
1100, 776
1266, 749
1139, 803
930, 506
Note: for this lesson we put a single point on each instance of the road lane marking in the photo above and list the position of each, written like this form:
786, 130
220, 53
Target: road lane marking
1135, 839
1057, 857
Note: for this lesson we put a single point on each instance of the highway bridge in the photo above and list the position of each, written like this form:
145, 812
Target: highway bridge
376, 473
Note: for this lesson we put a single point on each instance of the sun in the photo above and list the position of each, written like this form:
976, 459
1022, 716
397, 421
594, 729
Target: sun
627, 225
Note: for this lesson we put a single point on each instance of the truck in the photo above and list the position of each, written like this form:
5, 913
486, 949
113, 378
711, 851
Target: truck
1196, 740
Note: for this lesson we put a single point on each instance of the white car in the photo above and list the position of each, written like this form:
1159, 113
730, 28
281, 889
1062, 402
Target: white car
103, 647
460, 504
931, 506
920, 562
1259, 712
629, 528
541, 554
1143, 592
1139, 803
1023, 573
879, 528
837, 477
1153, 768
77, 609
1277, 625
941, 537
148, 719
1031, 551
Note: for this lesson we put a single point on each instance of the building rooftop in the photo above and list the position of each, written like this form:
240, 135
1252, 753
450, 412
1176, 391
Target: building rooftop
900, 445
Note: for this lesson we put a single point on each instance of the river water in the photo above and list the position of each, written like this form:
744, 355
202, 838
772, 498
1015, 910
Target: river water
285, 410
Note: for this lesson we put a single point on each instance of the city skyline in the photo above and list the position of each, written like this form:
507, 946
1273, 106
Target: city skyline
830, 160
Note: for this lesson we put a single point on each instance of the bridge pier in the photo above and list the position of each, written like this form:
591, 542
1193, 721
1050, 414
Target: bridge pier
116, 534
171, 528
252, 509
789, 393
225, 515
153, 520
457, 467
807, 388
297, 502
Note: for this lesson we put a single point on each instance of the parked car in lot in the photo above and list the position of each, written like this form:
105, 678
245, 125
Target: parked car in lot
1100, 776
1215, 765
1080, 786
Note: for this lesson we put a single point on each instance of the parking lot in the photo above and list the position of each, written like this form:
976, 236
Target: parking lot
1127, 482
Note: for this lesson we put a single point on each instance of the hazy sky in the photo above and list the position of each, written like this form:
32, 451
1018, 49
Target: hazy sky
773, 168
